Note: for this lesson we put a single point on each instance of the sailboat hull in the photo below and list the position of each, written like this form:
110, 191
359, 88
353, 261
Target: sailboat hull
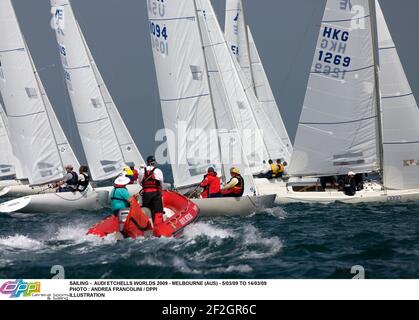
243, 206
21, 190
286, 195
57, 202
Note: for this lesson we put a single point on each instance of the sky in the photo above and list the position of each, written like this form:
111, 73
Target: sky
117, 33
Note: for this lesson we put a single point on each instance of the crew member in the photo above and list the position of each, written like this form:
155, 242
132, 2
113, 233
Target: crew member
84, 179
281, 167
70, 181
349, 187
135, 174
235, 187
211, 184
275, 169
120, 197
152, 182
128, 173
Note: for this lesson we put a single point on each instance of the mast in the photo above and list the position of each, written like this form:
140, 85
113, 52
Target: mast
376, 57
210, 92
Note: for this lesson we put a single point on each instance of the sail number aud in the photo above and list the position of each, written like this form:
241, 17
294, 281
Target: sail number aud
159, 37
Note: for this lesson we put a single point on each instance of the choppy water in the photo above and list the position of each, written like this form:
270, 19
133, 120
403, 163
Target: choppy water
295, 241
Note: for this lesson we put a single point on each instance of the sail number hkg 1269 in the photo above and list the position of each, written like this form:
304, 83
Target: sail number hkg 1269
331, 59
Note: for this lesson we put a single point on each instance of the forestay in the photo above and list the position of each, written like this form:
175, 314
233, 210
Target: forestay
338, 127
400, 115
106, 141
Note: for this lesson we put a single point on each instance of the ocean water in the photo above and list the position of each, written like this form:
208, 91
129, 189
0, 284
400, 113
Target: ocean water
289, 242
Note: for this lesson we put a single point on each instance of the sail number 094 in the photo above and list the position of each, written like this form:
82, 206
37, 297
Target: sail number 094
158, 31
159, 38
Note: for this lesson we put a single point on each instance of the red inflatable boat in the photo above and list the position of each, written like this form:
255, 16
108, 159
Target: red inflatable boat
179, 212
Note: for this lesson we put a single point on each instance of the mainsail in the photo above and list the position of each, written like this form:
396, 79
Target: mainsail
338, 128
6, 154
106, 141
38, 140
195, 105
400, 115
243, 47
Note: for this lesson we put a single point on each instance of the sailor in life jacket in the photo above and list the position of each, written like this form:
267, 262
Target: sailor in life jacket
349, 187
152, 181
120, 197
128, 173
235, 187
84, 179
281, 168
211, 184
70, 181
136, 174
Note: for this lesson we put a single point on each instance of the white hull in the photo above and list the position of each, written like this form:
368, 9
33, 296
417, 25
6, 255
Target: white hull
21, 190
57, 202
285, 194
4, 183
215, 207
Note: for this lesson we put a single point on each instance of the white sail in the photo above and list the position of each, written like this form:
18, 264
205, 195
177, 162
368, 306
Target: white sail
228, 83
338, 127
235, 32
106, 141
6, 154
203, 126
34, 141
243, 48
400, 115
267, 99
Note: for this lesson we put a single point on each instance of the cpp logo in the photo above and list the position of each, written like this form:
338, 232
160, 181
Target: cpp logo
57, 21
20, 287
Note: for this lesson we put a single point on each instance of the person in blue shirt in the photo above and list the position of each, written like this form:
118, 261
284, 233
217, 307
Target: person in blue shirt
120, 197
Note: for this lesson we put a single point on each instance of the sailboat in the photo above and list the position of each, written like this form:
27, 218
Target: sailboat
359, 112
203, 103
38, 141
243, 48
106, 140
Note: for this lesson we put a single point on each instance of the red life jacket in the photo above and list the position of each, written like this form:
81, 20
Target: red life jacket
149, 182
135, 177
211, 185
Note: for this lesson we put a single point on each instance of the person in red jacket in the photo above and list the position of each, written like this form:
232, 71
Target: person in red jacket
211, 184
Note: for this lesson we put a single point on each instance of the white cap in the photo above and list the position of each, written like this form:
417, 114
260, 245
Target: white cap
351, 173
122, 181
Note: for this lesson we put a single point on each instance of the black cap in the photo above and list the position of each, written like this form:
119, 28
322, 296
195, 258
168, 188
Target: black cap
211, 169
151, 159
